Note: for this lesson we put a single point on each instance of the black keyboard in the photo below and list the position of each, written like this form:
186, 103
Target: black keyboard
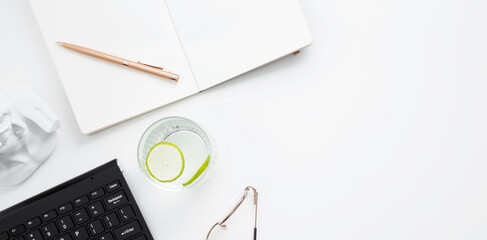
97, 205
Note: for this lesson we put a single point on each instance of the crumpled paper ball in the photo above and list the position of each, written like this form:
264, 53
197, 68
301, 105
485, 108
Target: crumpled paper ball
27, 133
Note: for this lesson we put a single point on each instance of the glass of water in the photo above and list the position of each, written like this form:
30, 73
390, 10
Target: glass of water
175, 153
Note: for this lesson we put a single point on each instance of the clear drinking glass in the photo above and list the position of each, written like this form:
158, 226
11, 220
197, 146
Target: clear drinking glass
193, 142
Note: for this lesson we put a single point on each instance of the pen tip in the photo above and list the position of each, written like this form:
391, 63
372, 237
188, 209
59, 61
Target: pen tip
59, 43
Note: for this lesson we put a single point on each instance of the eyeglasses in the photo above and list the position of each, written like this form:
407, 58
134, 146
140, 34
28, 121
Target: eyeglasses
222, 222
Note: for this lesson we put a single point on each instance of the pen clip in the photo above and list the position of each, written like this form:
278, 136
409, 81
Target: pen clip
174, 76
152, 66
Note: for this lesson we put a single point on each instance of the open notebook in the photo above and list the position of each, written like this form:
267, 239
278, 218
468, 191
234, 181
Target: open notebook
205, 41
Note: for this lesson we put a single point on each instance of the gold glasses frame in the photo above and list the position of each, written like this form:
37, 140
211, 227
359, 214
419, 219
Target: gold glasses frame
222, 222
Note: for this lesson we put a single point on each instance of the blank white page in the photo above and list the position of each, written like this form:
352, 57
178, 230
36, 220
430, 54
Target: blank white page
102, 93
225, 38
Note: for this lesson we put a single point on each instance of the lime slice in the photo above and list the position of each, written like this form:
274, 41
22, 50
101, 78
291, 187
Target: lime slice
199, 172
165, 162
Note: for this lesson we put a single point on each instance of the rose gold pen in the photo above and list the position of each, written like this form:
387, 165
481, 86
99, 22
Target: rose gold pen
131, 64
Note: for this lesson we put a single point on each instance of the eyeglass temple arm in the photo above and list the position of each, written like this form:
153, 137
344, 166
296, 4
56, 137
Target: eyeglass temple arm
256, 197
222, 223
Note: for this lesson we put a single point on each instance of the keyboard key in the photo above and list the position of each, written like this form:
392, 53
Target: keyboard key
106, 236
141, 237
3, 236
128, 230
80, 234
17, 230
50, 230
97, 193
33, 223
81, 201
96, 209
49, 215
113, 186
34, 235
81, 216
111, 220
65, 208
65, 237
19, 238
65, 223
115, 200
126, 213
96, 227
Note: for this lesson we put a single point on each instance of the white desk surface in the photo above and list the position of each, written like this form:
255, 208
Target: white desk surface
376, 131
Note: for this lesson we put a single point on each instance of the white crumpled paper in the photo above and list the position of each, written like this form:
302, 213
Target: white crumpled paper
27, 133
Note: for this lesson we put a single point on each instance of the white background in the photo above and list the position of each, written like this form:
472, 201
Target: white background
376, 131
